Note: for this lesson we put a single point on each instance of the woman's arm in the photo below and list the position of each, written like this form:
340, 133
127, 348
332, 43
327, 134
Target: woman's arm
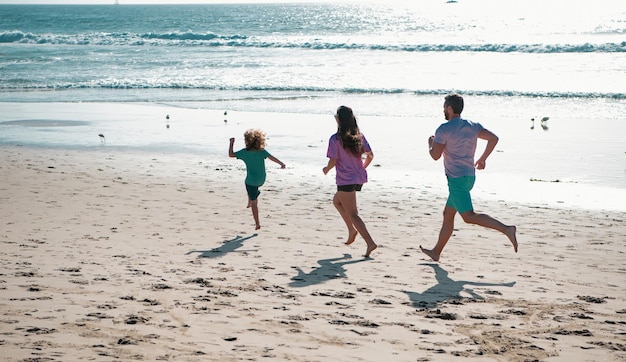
369, 156
331, 163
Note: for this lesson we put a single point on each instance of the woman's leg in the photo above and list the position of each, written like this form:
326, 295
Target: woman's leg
352, 233
347, 200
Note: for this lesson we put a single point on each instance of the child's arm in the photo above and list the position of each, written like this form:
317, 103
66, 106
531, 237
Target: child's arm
331, 163
282, 165
369, 156
230, 148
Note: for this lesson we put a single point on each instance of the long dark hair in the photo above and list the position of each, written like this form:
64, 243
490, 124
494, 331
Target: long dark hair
348, 131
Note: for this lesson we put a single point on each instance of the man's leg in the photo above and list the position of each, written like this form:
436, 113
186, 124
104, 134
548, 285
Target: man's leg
447, 227
487, 221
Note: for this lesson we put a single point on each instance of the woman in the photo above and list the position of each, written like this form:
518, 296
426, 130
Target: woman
345, 150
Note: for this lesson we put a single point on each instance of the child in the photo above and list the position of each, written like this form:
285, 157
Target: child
345, 149
254, 156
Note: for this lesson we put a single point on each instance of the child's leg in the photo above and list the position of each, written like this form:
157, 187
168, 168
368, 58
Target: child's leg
255, 212
253, 194
352, 233
348, 202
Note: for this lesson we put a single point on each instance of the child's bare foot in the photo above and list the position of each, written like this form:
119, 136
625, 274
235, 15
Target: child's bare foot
352, 237
430, 254
510, 232
258, 226
370, 248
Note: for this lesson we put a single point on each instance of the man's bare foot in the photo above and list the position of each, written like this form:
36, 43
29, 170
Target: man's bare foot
510, 232
258, 226
430, 254
352, 237
370, 248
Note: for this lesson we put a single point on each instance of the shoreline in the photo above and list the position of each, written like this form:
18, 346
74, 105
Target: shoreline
520, 171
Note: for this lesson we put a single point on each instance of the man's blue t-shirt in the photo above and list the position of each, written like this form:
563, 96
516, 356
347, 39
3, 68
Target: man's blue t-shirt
459, 137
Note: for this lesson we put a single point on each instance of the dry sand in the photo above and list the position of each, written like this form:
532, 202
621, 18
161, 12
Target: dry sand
106, 258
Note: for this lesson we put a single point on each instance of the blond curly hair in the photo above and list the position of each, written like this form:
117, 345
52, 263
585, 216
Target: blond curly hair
255, 139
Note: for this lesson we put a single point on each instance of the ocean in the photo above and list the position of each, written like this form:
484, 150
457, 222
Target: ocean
392, 62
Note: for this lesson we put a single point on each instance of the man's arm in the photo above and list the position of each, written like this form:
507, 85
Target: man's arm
435, 149
492, 141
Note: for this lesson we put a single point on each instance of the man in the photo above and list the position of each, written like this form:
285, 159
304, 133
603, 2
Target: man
456, 141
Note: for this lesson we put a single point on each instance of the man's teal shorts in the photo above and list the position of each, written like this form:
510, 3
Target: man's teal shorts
459, 198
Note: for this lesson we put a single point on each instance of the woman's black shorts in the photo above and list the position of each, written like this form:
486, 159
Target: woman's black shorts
349, 188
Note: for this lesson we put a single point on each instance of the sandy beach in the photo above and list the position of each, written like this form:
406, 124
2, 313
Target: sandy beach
104, 257
124, 232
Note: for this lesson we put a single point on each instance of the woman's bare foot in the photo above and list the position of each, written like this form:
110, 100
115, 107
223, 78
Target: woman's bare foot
370, 248
352, 237
510, 233
430, 254
258, 226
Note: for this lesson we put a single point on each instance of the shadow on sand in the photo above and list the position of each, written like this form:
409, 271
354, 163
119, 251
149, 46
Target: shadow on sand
229, 246
328, 269
447, 289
